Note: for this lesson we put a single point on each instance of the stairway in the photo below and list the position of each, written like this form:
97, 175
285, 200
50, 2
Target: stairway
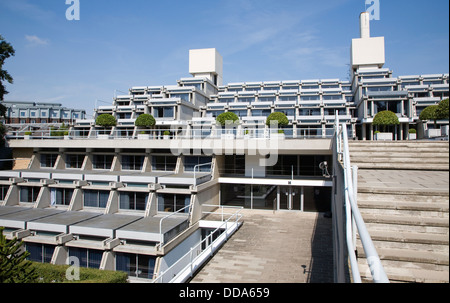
403, 197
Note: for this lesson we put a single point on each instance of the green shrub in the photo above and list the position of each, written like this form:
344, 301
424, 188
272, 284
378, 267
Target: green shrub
385, 118
145, 120
106, 120
412, 131
442, 111
228, 116
28, 133
166, 133
429, 113
376, 132
49, 273
277, 116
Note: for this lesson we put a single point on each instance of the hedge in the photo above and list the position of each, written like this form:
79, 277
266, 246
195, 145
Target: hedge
106, 120
50, 273
277, 116
145, 120
227, 116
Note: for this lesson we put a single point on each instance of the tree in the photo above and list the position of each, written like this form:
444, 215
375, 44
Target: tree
106, 120
228, 116
442, 111
14, 268
429, 113
145, 120
279, 117
385, 118
6, 51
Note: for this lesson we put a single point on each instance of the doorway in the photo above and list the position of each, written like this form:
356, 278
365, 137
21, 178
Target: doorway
291, 198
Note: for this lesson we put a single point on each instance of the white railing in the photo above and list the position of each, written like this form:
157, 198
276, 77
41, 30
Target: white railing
187, 265
198, 166
161, 234
354, 220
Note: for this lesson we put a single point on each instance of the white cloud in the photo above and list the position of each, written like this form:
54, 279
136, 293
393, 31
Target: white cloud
35, 40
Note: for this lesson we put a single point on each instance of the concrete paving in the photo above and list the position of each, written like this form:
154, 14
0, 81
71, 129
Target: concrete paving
280, 247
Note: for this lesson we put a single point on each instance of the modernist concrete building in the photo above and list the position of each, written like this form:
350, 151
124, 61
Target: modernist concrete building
130, 199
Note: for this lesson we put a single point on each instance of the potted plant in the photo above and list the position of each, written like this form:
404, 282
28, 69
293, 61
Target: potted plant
384, 119
230, 120
276, 121
145, 121
27, 135
106, 121
412, 134
166, 134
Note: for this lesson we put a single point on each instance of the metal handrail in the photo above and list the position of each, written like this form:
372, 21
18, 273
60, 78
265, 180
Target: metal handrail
200, 165
353, 213
161, 242
192, 259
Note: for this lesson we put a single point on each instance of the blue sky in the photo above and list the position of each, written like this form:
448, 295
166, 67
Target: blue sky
120, 44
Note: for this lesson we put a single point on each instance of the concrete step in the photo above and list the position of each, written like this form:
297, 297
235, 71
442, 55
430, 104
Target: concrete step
419, 206
402, 166
401, 212
401, 220
406, 228
406, 274
379, 192
435, 159
409, 240
403, 144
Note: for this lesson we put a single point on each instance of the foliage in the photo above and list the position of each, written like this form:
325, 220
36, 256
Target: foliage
145, 120
385, 118
166, 133
49, 273
279, 117
62, 131
429, 113
228, 116
14, 268
6, 51
106, 120
412, 131
442, 112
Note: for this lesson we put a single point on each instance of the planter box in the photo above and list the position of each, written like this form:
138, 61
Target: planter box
67, 138
27, 137
384, 137
278, 136
444, 130
431, 133
166, 137
227, 136
143, 136
103, 137
412, 136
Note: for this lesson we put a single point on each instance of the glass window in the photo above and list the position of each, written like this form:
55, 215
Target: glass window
141, 266
164, 163
163, 112
61, 196
240, 113
48, 160
29, 194
261, 112
184, 97
246, 99
3, 191
74, 161
288, 98
103, 161
132, 162
133, 200
191, 161
173, 202
393, 106
90, 258
41, 253
96, 198
310, 98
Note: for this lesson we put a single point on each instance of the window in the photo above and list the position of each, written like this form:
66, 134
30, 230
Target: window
48, 160
103, 161
235, 164
191, 161
133, 200
240, 113
61, 196
288, 98
261, 112
164, 163
132, 162
74, 161
41, 253
310, 98
3, 192
29, 194
96, 198
379, 88
393, 106
141, 266
246, 99
163, 112
90, 258
173, 202
184, 97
